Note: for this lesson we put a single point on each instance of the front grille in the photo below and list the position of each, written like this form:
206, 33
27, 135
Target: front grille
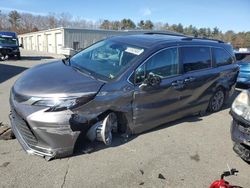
23, 129
5, 51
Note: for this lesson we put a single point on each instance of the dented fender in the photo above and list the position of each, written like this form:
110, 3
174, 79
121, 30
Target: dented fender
108, 99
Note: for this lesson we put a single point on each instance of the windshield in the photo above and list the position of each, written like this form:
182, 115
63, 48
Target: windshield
106, 58
8, 40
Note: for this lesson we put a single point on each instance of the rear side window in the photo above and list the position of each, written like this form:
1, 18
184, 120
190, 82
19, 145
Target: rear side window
221, 57
195, 58
163, 64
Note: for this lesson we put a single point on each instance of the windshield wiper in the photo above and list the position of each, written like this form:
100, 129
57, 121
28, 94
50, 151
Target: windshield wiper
82, 70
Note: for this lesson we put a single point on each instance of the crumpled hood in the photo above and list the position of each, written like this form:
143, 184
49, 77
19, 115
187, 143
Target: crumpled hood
55, 78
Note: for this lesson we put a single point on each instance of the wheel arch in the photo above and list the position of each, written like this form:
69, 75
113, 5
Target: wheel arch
124, 120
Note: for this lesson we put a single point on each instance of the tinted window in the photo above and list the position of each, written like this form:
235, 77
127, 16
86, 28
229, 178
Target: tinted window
221, 57
196, 58
163, 64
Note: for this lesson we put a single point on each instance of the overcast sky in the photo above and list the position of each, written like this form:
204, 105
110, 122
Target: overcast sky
225, 14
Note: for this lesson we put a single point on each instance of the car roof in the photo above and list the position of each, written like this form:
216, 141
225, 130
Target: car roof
148, 40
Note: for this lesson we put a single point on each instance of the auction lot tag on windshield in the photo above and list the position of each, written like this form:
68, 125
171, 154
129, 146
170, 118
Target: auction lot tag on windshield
135, 51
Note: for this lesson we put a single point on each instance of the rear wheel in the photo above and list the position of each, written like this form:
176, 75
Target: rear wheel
217, 101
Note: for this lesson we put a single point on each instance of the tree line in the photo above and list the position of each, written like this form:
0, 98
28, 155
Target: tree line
238, 40
26, 22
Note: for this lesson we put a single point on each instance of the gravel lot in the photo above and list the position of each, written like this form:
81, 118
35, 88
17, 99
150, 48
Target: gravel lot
191, 152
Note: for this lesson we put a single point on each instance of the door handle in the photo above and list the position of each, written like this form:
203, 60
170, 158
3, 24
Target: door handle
174, 84
177, 83
189, 79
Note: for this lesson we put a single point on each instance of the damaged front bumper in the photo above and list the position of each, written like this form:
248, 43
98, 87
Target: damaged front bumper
49, 140
54, 134
240, 134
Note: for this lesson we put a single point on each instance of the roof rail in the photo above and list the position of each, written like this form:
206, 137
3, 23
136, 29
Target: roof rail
204, 38
164, 33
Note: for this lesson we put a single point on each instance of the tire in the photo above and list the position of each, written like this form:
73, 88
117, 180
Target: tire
18, 56
217, 100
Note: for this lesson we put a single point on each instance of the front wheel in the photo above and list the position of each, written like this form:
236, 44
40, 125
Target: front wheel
108, 126
18, 56
216, 101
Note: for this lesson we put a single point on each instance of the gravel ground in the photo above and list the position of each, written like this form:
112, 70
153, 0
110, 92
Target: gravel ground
191, 152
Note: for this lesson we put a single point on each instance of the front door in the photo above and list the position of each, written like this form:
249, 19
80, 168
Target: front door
154, 105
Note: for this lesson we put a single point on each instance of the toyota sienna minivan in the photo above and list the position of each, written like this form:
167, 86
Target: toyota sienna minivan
124, 84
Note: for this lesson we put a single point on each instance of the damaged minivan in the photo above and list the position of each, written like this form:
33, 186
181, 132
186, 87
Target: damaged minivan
124, 84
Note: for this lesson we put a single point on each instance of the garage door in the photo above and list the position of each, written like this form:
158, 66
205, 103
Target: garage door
25, 43
49, 42
29, 43
40, 43
58, 43
33, 43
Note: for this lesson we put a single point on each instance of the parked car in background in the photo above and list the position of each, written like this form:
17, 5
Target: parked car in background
124, 84
243, 60
9, 46
240, 128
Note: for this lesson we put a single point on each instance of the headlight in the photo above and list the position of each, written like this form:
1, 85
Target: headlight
59, 104
241, 105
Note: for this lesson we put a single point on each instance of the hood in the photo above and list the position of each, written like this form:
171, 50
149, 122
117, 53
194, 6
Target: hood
55, 79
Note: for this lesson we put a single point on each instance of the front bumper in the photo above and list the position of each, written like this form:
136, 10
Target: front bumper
44, 138
30, 149
47, 134
240, 134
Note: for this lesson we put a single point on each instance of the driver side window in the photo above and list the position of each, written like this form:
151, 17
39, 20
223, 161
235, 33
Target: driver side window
162, 64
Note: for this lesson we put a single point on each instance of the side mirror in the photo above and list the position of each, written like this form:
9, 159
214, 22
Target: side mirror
152, 80
21, 45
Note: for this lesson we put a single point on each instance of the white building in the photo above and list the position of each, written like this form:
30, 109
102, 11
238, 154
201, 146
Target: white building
53, 40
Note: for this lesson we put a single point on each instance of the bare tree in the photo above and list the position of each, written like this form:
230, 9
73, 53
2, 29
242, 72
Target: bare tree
27, 23
52, 21
64, 19
14, 19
